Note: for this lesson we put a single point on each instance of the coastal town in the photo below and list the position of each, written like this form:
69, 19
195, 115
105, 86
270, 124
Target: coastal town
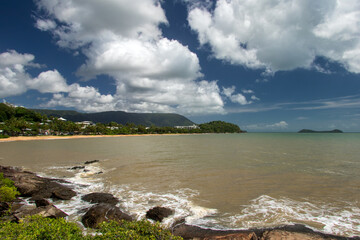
19, 121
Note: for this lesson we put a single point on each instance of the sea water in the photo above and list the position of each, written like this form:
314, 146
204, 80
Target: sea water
222, 181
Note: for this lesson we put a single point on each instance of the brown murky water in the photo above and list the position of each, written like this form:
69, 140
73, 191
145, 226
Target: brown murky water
220, 181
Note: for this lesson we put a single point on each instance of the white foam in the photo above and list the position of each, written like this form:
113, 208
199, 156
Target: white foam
266, 211
263, 211
139, 202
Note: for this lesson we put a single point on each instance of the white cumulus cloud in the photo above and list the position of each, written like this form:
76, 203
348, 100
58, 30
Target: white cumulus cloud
122, 39
49, 82
235, 98
280, 35
274, 126
15, 79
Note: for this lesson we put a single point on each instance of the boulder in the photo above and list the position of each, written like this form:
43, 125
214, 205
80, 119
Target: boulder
62, 193
92, 161
234, 236
103, 212
281, 234
49, 211
42, 202
159, 213
30, 185
100, 198
193, 232
77, 167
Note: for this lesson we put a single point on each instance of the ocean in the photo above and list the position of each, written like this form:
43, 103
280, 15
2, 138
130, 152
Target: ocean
222, 181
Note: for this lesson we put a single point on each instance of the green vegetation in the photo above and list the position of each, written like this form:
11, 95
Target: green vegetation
40, 228
219, 127
134, 230
18, 121
46, 228
312, 131
8, 191
145, 119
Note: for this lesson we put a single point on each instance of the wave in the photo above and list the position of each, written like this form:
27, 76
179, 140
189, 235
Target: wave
264, 211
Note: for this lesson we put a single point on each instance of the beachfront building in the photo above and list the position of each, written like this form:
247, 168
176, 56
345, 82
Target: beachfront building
194, 126
85, 124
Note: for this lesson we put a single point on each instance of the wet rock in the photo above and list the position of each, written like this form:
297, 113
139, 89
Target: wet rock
77, 167
100, 198
281, 234
91, 161
103, 212
30, 185
49, 211
234, 236
193, 232
42, 202
62, 193
159, 213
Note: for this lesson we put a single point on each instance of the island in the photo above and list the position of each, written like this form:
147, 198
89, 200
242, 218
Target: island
312, 131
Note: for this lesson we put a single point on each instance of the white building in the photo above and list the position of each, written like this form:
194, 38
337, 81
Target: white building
194, 126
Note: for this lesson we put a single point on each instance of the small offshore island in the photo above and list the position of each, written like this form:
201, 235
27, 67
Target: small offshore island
313, 131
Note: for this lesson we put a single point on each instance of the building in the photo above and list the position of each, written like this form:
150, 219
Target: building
194, 126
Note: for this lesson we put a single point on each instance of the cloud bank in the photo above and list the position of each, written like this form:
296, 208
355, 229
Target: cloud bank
282, 125
280, 35
122, 39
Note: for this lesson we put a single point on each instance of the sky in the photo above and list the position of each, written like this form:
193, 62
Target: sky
267, 66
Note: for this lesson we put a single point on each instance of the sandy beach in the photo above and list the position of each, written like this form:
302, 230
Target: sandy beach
33, 138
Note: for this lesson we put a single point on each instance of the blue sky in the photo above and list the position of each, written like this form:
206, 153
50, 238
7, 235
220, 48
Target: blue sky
264, 65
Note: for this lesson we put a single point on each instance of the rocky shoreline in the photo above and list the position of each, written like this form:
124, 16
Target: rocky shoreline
39, 190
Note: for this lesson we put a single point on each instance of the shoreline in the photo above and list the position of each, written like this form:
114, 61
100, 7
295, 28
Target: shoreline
36, 138
36, 188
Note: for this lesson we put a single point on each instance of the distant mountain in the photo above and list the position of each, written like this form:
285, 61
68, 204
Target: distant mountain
146, 119
312, 131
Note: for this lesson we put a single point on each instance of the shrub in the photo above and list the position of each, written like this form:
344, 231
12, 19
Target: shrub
8, 191
142, 230
37, 227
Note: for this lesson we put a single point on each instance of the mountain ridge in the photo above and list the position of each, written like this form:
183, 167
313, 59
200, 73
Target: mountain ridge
121, 117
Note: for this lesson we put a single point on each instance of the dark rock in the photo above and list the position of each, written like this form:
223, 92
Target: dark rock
298, 231
30, 185
288, 232
100, 198
193, 232
99, 172
4, 208
103, 212
62, 193
91, 161
85, 170
234, 236
42, 202
281, 234
77, 167
159, 213
49, 211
